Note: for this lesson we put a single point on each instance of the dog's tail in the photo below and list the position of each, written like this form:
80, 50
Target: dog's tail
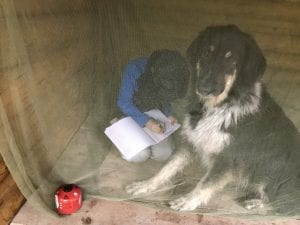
287, 204
285, 195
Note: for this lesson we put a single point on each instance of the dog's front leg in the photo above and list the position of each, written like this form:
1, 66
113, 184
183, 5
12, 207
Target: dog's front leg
176, 164
202, 193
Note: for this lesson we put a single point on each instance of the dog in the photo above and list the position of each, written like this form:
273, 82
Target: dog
239, 132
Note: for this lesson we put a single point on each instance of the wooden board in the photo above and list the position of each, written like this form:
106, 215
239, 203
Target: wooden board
11, 199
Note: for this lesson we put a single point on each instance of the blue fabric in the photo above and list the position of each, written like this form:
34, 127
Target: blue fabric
129, 86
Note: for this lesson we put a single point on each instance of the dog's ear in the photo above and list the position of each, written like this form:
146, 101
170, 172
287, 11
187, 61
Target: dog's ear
232, 27
194, 50
254, 63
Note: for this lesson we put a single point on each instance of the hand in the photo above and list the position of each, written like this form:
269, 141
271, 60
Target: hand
172, 119
155, 126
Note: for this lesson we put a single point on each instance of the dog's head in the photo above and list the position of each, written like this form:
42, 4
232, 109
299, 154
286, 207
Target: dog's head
225, 60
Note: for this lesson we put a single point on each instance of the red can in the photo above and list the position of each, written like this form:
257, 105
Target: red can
68, 199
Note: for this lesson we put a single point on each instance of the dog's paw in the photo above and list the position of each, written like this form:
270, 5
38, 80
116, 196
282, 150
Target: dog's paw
184, 204
190, 201
138, 188
254, 204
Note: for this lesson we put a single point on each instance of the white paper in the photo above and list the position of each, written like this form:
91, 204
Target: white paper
131, 139
169, 128
128, 137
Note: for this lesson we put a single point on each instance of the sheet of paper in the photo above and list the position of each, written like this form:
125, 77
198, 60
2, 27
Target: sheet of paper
169, 128
128, 137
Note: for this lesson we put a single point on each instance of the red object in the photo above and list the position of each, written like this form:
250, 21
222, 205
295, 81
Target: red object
68, 199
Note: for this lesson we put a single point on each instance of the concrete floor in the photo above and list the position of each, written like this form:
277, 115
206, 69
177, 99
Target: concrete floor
102, 212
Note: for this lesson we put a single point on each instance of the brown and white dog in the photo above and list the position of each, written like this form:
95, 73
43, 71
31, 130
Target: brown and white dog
236, 128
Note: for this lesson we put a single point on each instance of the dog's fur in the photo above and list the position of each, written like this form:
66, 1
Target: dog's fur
239, 132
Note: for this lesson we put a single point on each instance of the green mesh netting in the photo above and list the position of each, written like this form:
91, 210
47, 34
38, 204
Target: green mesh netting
61, 66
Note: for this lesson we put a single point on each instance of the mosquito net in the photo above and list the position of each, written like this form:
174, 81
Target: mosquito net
61, 68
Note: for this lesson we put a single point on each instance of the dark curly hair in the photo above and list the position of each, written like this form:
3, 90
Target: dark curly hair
164, 80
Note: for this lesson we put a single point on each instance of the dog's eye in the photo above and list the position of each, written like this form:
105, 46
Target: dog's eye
208, 52
228, 54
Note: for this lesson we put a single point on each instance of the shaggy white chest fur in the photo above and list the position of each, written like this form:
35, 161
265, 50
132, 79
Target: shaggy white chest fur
207, 136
